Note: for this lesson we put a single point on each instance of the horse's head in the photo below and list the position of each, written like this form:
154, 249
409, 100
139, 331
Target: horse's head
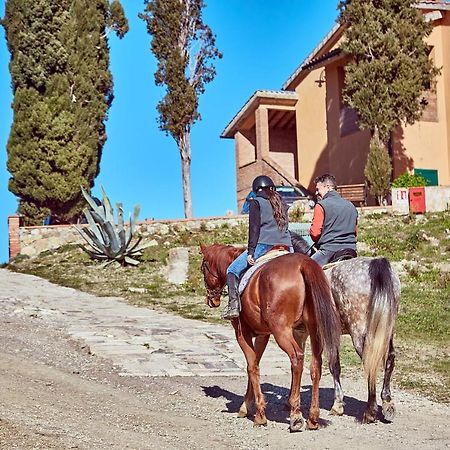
213, 278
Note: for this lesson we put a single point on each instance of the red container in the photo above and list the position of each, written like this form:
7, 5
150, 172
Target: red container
417, 200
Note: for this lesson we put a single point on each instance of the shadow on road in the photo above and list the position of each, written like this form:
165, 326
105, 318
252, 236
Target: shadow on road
276, 398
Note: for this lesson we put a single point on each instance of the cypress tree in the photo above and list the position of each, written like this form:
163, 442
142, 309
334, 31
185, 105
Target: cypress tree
387, 75
184, 47
390, 66
378, 170
62, 91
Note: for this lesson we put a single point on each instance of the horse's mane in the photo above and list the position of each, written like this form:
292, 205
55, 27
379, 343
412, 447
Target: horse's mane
217, 254
299, 243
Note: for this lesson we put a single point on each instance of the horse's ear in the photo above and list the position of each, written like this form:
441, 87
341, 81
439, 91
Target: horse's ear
202, 248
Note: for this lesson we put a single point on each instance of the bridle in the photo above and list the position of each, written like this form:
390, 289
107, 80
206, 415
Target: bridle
211, 293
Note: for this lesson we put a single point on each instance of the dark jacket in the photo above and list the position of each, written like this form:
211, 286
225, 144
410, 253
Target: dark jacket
339, 226
263, 228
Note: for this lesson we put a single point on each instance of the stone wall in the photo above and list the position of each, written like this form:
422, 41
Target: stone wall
30, 241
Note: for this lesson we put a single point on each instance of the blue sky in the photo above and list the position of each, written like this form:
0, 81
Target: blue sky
263, 42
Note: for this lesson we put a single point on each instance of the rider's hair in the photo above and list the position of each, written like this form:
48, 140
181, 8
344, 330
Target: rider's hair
326, 179
278, 207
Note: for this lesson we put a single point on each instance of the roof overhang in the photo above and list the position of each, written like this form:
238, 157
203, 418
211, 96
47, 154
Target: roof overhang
270, 98
320, 51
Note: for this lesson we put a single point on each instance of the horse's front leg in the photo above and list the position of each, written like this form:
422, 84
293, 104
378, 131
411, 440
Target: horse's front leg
259, 346
286, 341
388, 405
244, 339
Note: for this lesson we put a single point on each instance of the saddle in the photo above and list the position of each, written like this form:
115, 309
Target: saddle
274, 252
340, 255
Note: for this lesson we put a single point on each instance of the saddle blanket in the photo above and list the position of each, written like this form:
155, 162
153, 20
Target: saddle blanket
258, 263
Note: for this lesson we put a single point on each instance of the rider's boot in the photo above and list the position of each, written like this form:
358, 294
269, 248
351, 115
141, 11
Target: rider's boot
234, 304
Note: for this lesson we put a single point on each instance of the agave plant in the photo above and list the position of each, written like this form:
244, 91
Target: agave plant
108, 241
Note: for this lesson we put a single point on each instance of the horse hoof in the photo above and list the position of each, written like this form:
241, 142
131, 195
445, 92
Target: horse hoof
312, 425
368, 417
337, 410
242, 414
296, 424
388, 411
259, 424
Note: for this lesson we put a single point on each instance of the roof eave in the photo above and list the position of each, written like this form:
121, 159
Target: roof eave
288, 98
337, 30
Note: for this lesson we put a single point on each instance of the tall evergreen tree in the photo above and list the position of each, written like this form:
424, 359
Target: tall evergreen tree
62, 90
389, 69
184, 48
390, 66
378, 170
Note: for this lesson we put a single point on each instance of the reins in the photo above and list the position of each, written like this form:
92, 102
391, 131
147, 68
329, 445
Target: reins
211, 293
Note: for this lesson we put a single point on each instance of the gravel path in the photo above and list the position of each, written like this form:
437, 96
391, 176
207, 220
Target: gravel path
63, 389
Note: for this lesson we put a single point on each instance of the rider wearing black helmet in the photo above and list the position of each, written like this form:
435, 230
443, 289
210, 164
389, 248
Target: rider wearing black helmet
268, 226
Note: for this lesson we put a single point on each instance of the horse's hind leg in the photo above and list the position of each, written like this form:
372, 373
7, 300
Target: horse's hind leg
388, 404
259, 346
286, 341
338, 406
316, 373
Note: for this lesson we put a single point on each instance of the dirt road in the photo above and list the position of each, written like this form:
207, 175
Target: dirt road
56, 394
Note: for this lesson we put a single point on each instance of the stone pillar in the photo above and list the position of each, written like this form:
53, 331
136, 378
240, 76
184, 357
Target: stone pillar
14, 235
262, 132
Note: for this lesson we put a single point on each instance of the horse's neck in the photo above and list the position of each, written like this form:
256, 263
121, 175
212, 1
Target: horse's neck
229, 254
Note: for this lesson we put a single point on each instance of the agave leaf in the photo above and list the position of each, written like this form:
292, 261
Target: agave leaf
139, 239
92, 204
113, 238
128, 235
133, 262
96, 234
101, 226
94, 255
89, 237
121, 235
92, 225
120, 225
119, 208
108, 208
106, 263
90, 241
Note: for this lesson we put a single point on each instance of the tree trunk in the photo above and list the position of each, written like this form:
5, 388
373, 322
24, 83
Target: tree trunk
184, 145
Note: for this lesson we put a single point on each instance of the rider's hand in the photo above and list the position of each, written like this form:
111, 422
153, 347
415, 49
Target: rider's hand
250, 260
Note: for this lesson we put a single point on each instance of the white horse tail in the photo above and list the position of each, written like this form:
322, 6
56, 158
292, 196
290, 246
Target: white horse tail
381, 317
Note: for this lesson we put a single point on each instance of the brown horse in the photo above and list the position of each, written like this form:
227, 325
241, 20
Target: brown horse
367, 295
288, 297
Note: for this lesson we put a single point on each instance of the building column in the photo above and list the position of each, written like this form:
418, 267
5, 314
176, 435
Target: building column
14, 235
262, 133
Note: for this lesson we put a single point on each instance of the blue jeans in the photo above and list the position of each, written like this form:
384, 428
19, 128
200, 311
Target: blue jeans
240, 264
323, 256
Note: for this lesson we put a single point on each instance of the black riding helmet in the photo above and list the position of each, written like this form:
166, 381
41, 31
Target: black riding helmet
262, 181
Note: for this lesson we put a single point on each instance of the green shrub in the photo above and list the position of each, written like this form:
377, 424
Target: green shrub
409, 180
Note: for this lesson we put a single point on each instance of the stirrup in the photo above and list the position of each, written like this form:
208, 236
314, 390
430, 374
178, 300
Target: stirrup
229, 313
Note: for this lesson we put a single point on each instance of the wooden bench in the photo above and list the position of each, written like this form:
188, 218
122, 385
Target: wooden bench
356, 193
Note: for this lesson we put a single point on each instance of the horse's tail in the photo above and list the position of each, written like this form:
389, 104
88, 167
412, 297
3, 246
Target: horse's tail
381, 318
327, 318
